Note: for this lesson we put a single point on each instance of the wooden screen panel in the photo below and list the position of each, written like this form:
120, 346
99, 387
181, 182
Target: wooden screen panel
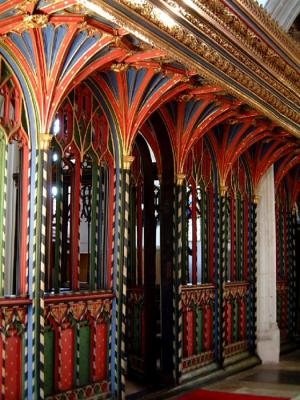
67, 360
101, 351
85, 350
49, 362
13, 370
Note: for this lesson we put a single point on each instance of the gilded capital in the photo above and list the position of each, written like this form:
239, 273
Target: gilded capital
127, 161
180, 179
223, 190
256, 199
44, 141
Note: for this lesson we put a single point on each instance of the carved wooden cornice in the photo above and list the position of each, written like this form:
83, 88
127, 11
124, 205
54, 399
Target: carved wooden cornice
213, 41
271, 27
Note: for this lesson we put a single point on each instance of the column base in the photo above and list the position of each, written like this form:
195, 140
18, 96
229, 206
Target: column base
268, 345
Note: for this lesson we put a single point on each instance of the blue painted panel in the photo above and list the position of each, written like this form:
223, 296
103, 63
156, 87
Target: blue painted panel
60, 33
135, 79
8, 14
234, 131
102, 53
48, 35
191, 108
209, 110
154, 85
28, 41
110, 78
81, 44
22, 46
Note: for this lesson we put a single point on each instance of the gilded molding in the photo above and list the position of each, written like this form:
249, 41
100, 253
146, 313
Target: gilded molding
180, 179
210, 55
223, 190
269, 25
44, 141
127, 161
214, 34
221, 14
34, 21
256, 199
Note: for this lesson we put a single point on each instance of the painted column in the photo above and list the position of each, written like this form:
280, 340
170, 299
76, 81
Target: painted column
177, 277
38, 283
268, 338
122, 277
221, 275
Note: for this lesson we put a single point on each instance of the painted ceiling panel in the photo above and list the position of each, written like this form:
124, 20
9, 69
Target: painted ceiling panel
21, 43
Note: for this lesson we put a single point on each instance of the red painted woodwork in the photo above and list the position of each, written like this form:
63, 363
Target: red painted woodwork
75, 225
228, 319
93, 310
246, 239
101, 351
211, 231
13, 370
71, 297
201, 297
66, 378
190, 336
233, 233
208, 328
235, 292
243, 319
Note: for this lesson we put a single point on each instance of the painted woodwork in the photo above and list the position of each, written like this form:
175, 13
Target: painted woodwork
198, 293
81, 187
76, 345
198, 310
95, 87
237, 285
13, 331
285, 257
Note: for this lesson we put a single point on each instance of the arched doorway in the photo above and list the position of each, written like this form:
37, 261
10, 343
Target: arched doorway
149, 281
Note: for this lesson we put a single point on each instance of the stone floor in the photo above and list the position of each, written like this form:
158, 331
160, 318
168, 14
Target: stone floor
278, 380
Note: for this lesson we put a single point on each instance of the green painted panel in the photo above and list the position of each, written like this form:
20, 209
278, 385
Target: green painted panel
49, 362
85, 351
236, 321
199, 328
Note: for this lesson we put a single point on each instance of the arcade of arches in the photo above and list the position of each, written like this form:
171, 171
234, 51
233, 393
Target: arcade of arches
149, 193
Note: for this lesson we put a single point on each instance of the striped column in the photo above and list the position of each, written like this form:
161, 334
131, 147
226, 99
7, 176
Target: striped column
216, 273
26, 335
3, 338
96, 198
34, 278
60, 350
223, 232
121, 286
41, 259
77, 374
291, 271
3, 184
114, 281
177, 278
252, 299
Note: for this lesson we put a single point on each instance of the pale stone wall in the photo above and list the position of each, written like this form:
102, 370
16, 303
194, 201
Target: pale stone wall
268, 337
